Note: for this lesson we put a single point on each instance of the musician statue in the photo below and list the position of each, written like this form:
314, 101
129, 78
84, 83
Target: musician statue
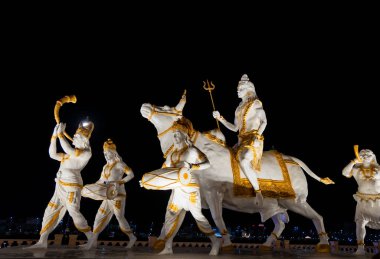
110, 189
366, 171
250, 121
67, 194
185, 159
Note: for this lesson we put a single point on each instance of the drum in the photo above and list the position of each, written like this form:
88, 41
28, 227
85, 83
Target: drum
100, 191
161, 179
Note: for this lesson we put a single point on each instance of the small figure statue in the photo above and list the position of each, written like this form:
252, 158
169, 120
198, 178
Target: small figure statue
250, 121
114, 200
67, 194
366, 171
185, 197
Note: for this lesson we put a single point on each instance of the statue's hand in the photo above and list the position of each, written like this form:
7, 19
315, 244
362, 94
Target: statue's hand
55, 132
216, 115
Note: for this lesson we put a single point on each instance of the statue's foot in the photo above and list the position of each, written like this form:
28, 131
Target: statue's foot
132, 240
360, 251
216, 243
92, 243
166, 251
38, 245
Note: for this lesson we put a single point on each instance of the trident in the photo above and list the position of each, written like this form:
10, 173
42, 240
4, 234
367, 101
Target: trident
209, 86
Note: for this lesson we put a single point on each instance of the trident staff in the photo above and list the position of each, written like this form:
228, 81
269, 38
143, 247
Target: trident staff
209, 86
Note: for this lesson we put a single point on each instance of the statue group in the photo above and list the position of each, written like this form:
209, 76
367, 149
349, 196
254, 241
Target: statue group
203, 172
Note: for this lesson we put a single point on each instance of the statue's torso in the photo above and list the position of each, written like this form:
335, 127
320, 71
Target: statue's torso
247, 116
368, 179
71, 167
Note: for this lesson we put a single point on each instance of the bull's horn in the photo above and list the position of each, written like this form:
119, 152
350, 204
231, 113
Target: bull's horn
356, 150
181, 103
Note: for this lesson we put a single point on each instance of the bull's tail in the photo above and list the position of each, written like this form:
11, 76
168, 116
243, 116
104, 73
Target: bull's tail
325, 180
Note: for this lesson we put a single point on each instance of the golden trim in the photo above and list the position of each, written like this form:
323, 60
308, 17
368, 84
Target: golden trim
118, 204
51, 222
71, 197
108, 169
84, 230
103, 211
99, 226
54, 137
70, 184
173, 207
78, 152
172, 229
193, 197
269, 188
368, 196
322, 234
360, 243
53, 205
289, 161
273, 234
245, 114
168, 151
214, 139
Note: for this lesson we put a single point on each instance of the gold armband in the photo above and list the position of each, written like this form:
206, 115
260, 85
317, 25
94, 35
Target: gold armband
259, 137
256, 191
54, 137
195, 167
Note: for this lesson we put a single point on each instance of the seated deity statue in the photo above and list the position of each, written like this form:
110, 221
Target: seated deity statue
250, 121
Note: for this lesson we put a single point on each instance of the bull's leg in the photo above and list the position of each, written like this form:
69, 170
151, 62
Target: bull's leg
304, 209
214, 200
360, 235
279, 226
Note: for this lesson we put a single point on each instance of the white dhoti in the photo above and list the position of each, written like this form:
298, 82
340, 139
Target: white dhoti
182, 200
107, 209
66, 197
368, 209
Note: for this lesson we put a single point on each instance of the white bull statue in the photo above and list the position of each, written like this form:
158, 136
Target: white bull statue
281, 179
366, 171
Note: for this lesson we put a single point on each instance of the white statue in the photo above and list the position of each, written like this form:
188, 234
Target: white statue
250, 121
113, 198
281, 179
366, 171
185, 196
67, 194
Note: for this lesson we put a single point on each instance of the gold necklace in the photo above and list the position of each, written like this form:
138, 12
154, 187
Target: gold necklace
177, 153
108, 169
368, 173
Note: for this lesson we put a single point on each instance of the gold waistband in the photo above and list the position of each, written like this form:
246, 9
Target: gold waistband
70, 184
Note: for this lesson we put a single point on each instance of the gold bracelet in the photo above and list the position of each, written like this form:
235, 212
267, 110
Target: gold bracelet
60, 135
258, 190
54, 137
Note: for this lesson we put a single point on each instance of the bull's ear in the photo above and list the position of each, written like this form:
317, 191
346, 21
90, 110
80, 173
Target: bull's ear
181, 103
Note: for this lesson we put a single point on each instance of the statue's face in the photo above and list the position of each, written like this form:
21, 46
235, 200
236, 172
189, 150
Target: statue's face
109, 155
366, 155
178, 137
242, 90
78, 141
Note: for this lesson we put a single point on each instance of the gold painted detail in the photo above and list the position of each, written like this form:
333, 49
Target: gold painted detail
173, 207
168, 151
103, 211
53, 205
172, 229
193, 197
214, 139
71, 197
361, 242
368, 173
126, 231
107, 171
273, 234
322, 234
70, 184
289, 161
127, 169
175, 157
78, 152
245, 114
207, 232
368, 196
100, 225
269, 188
118, 204
84, 230
195, 167
64, 157
51, 222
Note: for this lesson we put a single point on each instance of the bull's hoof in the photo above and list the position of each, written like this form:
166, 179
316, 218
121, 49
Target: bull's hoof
159, 245
228, 248
322, 248
263, 248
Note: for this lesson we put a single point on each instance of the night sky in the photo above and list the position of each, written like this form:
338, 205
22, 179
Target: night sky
317, 88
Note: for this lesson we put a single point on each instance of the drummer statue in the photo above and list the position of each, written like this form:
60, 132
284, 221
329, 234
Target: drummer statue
67, 194
110, 188
366, 171
186, 197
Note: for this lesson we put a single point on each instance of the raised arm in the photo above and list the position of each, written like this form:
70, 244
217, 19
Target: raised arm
62, 139
226, 124
53, 146
200, 160
348, 169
